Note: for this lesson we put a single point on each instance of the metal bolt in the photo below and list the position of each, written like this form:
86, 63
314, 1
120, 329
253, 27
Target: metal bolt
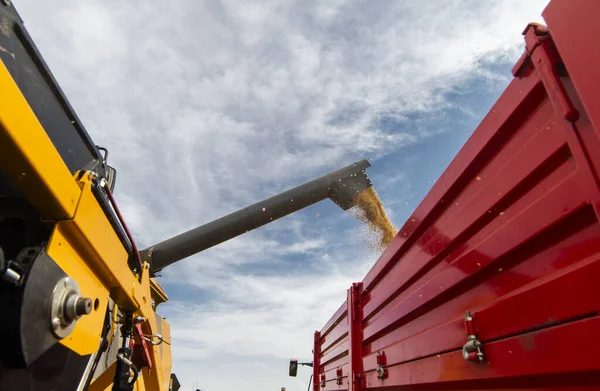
11, 276
139, 319
75, 306
83, 306
55, 323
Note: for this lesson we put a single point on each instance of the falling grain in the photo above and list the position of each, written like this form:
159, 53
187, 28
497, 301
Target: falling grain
370, 212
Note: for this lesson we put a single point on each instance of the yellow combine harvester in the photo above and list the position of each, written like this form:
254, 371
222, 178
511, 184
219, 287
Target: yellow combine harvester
77, 299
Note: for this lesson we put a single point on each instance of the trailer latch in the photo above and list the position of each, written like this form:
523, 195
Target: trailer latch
381, 362
323, 383
338, 377
472, 350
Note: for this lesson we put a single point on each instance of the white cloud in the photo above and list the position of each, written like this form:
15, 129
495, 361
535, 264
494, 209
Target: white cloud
209, 106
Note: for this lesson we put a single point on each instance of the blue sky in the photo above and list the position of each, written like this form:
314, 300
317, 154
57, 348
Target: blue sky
208, 106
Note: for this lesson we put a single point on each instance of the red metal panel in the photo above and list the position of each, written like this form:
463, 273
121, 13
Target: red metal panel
421, 229
518, 362
501, 117
480, 263
482, 200
340, 362
335, 319
335, 335
331, 384
578, 247
335, 352
548, 207
509, 233
333, 346
574, 28
332, 381
573, 25
539, 304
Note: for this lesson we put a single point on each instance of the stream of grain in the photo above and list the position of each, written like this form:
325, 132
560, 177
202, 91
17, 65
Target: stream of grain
372, 214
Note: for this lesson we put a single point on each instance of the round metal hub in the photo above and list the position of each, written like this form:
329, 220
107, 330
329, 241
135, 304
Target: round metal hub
62, 321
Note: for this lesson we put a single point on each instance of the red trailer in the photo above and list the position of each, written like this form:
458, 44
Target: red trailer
494, 281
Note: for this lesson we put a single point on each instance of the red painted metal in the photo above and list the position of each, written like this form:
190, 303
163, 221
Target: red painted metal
472, 349
139, 346
316, 360
573, 23
541, 53
382, 372
339, 373
492, 283
355, 336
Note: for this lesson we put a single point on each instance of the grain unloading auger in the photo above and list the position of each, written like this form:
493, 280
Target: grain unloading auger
340, 186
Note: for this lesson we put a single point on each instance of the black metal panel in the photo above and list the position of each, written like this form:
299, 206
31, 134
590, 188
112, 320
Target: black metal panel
28, 69
59, 369
175, 386
25, 318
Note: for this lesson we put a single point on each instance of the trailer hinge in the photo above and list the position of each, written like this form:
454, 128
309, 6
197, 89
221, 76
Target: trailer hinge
472, 350
542, 54
323, 382
338, 376
382, 373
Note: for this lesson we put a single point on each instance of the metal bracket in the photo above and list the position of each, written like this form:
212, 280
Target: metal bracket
472, 350
542, 54
323, 383
13, 273
338, 376
149, 338
141, 354
382, 373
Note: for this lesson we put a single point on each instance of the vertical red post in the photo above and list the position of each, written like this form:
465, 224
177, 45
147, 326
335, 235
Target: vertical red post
316, 360
355, 336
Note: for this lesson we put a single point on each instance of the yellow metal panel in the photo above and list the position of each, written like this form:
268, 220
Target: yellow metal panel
85, 338
101, 247
158, 293
165, 330
104, 382
103, 260
154, 380
140, 386
29, 158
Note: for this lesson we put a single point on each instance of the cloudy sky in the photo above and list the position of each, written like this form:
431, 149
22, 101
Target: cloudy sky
207, 106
